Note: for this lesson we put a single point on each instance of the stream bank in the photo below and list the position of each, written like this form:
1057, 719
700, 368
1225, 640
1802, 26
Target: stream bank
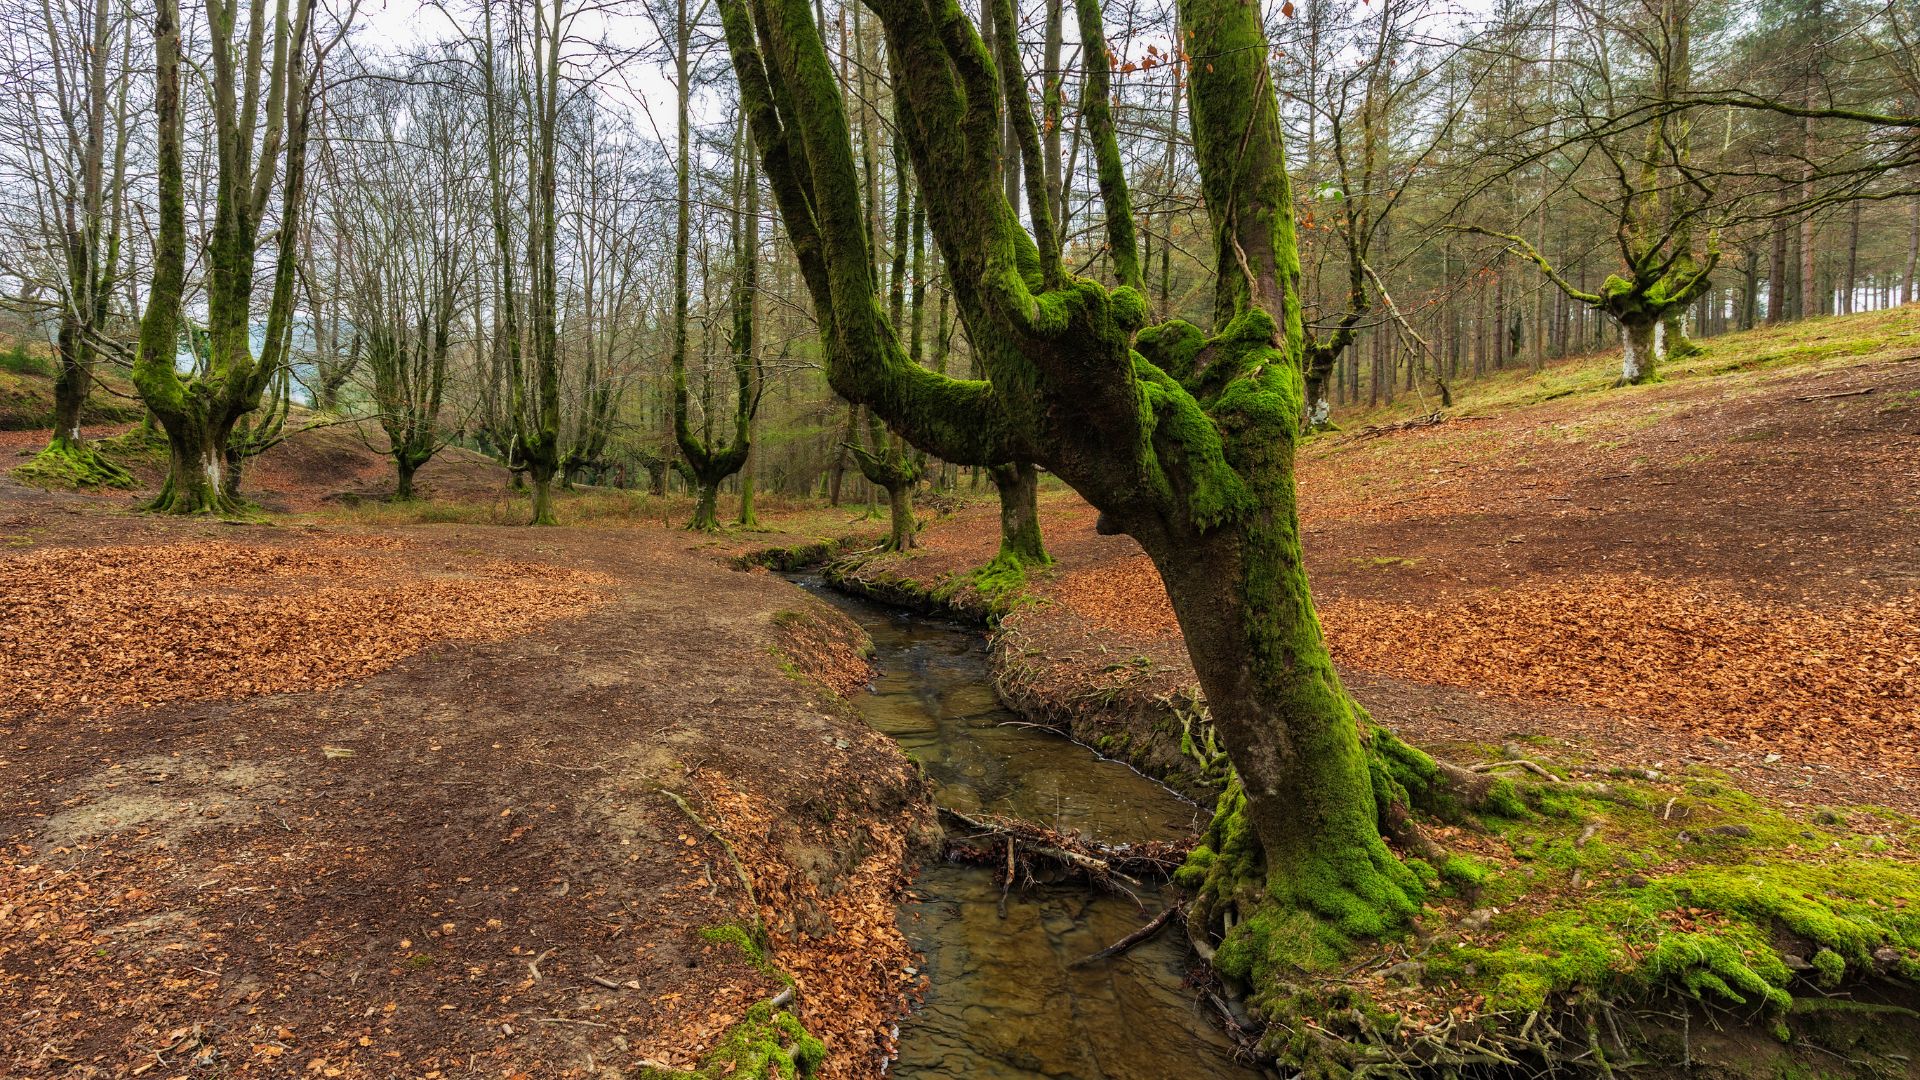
1005, 998
1123, 706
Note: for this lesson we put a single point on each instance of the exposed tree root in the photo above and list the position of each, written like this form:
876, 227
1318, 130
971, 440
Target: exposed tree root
68, 464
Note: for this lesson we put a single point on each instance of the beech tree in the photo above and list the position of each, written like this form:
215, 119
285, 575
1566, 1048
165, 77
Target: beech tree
1183, 438
67, 132
409, 247
259, 148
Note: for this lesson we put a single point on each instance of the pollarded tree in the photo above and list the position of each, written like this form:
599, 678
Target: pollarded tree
1660, 202
1183, 438
69, 129
408, 262
521, 91
705, 462
259, 146
888, 463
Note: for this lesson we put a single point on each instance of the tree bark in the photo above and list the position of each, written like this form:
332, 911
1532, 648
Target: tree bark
1018, 485
1640, 352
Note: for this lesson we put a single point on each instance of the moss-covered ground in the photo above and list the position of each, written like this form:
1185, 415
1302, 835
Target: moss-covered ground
1580, 926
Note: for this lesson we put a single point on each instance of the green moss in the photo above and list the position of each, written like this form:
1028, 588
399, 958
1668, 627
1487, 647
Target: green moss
68, 465
1831, 968
765, 1045
747, 941
1464, 871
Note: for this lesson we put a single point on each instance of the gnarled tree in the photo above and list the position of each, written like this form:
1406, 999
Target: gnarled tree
259, 146
1183, 438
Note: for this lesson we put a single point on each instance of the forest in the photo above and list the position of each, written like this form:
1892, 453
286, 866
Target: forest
959, 538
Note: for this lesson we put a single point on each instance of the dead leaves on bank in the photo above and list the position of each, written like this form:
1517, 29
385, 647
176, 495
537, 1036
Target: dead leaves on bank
90, 631
1832, 684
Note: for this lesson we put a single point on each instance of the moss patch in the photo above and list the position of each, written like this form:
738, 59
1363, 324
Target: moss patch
1579, 900
768, 1044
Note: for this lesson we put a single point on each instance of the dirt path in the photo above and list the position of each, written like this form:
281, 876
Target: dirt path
1723, 572
467, 863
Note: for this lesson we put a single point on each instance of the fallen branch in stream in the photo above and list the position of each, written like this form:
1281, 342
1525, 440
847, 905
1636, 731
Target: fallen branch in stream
997, 842
1145, 933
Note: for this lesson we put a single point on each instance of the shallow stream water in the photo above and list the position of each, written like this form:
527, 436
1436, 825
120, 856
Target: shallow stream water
1003, 1003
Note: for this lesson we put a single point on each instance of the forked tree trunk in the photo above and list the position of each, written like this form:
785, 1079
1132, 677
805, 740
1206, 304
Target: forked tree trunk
1272, 693
706, 517
197, 475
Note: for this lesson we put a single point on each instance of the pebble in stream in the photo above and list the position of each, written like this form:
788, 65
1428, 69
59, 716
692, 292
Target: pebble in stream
1003, 1002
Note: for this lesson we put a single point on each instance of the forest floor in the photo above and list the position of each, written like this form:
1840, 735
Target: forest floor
311, 798
1722, 569
370, 791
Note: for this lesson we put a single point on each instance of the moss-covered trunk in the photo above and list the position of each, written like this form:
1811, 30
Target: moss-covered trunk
1676, 345
1640, 349
748, 519
68, 458
542, 470
1274, 697
903, 531
1019, 486
706, 517
197, 468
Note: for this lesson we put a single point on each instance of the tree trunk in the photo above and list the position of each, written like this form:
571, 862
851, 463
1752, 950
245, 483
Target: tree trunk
196, 477
1913, 254
1305, 794
748, 519
542, 473
1640, 341
1777, 276
1852, 278
403, 483
706, 516
1020, 539
903, 534
67, 457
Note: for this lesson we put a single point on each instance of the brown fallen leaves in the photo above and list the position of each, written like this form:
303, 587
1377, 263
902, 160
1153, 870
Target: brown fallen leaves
90, 631
837, 937
1833, 684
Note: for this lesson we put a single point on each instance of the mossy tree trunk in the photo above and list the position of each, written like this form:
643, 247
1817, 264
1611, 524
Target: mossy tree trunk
1640, 352
1182, 438
1018, 484
200, 410
84, 175
891, 466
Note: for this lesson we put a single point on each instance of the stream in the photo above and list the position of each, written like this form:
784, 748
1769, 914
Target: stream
1003, 1003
